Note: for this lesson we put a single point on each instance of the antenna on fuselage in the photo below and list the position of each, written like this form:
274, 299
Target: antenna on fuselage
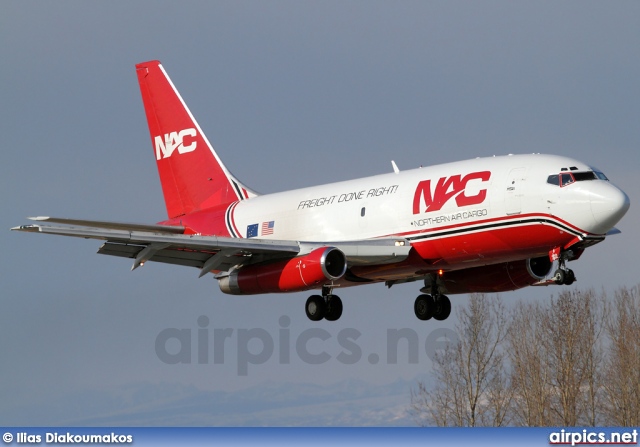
395, 167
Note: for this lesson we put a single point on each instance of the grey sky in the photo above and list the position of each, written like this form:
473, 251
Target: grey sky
291, 94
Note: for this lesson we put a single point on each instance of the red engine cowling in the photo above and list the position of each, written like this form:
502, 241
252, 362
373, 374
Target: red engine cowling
291, 275
499, 277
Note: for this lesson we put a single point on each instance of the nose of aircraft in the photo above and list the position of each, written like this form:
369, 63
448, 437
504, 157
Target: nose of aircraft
608, 205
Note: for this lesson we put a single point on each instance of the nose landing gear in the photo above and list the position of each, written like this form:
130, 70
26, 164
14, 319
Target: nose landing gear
564, 275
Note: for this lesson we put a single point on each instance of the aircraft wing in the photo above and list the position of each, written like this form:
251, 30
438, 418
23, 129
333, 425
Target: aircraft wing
169, 244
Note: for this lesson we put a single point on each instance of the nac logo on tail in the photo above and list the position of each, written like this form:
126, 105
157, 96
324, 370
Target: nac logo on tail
174, 140
446, 189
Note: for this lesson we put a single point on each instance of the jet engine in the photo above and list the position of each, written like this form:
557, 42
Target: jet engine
498, 277
291, 275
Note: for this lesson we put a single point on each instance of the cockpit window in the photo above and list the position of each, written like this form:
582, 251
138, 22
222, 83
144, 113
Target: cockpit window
600, 175
566, 178
582, 176
562, 179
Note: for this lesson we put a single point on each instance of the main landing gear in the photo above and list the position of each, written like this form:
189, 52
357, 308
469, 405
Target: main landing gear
327, 306
432, 303
437, 307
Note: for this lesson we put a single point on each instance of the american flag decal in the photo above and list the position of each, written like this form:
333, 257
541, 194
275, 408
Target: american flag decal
267, 227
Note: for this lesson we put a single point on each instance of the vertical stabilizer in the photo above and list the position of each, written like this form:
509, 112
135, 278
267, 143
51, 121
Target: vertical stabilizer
191, 173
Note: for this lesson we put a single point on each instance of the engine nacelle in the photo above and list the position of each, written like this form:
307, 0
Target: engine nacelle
499, 277
291, 275
539, 268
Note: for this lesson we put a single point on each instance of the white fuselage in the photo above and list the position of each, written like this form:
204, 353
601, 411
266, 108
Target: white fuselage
383, 205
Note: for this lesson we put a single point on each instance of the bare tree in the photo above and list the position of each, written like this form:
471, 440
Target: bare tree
622, 374
530, 372
556, 360
471, 383
443, 405
595, 331
549, 366
571, 329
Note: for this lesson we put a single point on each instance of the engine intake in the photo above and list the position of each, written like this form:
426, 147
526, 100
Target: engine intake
539, 268
292, 275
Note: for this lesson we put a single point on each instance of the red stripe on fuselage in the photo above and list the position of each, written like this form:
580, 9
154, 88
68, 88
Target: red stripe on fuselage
495, 220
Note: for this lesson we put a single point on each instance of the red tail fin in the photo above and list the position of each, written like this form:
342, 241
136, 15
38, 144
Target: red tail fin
191, 174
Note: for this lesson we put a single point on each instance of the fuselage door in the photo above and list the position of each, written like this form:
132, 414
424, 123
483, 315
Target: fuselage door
515, 190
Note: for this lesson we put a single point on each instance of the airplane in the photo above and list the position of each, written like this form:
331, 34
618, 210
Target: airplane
488, 224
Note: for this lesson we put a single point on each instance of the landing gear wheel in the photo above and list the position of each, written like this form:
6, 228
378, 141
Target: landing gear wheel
559, 276
569, 277
315, 308
442, 308
424, 307
566, 277
334, 308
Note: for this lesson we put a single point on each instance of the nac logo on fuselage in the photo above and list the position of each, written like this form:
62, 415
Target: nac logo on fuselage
172, 141
445, 189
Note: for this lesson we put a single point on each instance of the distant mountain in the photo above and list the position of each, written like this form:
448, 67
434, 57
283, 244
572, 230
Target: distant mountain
348, 403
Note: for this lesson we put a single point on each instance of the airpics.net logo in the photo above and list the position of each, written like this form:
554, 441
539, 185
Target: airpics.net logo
205, 344
592, 437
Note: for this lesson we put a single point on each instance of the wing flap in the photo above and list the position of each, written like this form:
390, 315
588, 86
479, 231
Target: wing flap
121, 250
193, 258
188, 258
